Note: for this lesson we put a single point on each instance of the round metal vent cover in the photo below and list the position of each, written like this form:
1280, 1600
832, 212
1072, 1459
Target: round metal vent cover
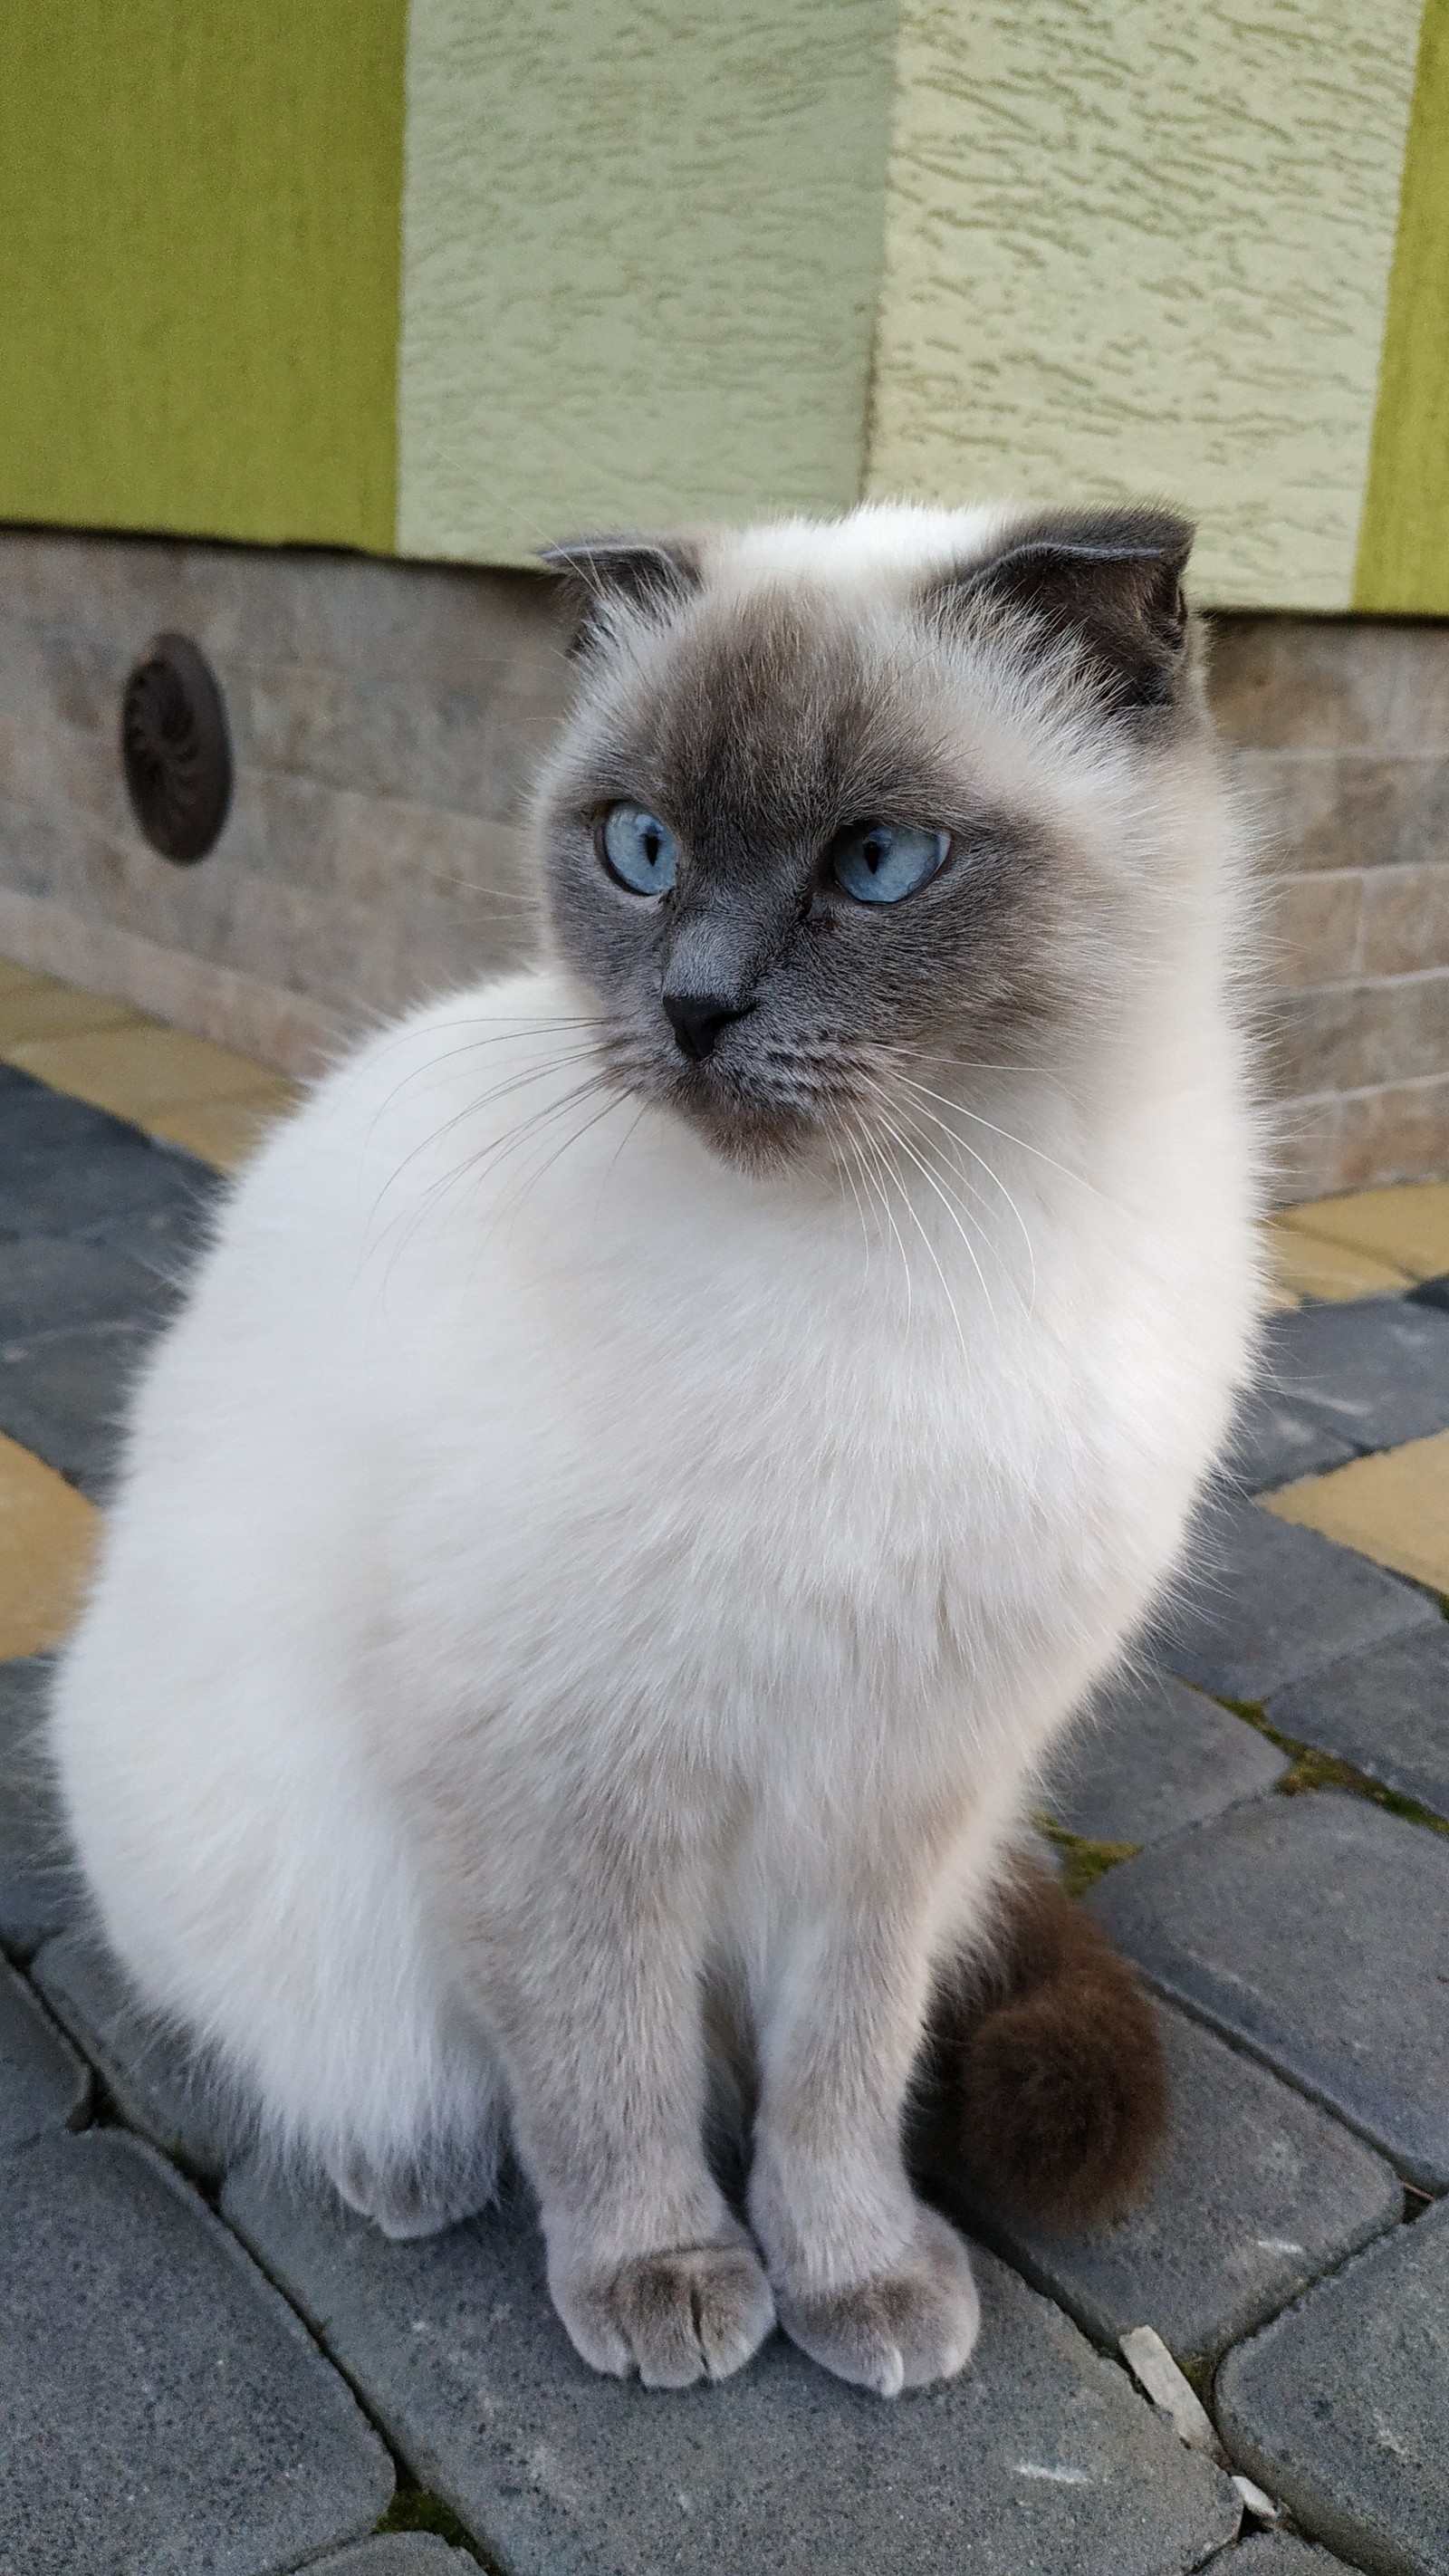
175, 749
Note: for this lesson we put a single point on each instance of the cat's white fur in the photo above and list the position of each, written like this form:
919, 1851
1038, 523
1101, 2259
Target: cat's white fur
495, 1477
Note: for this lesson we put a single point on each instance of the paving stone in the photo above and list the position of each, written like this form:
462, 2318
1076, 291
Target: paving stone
1040, 2456
1259, 2192
147, 2071
48, 1537
1408, 1223
1432, 1292
1262, 1604
165, 2412
1393, 1507
1152, 1757
1386, 1712
1272, 2553
1376, 1371
39, 1885
64, 1396
50, 1284
1341, 2407
1316, 1931
1312, 1265
399, 2553
1274, 1440
43, 2084
68, 1169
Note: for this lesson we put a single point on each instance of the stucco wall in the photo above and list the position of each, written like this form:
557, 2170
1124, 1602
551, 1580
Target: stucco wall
641, 259
1147, 247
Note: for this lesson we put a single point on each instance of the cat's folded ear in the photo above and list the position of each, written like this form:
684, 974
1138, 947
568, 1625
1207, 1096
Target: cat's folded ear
604, 575
1109, 579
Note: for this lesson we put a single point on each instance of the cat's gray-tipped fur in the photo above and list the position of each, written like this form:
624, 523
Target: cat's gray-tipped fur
661, 1445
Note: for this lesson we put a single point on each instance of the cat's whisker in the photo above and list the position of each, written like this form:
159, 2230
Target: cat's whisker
500, 1091
906, 1148
992, 1175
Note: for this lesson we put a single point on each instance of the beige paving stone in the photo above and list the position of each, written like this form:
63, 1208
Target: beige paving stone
1407, 1226
18, 979
1312, 1265
137, 1070
224, 1132
48, 1535
1394, 1507
47, 1010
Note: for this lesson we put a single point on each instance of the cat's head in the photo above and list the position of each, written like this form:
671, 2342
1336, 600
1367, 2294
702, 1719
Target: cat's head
847, 808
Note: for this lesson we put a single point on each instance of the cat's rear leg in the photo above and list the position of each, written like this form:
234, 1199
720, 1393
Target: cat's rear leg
1046, 2087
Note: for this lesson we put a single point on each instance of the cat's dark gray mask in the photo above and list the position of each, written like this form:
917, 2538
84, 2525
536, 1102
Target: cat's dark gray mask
759, 733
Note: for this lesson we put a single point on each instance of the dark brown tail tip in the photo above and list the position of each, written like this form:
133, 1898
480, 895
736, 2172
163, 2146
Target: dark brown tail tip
1061, 2088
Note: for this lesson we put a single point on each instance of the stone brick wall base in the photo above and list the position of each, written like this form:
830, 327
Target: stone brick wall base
387, 719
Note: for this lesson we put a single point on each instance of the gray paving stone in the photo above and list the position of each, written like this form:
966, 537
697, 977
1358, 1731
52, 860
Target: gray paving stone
1263, 1603
1316, 1931
64, 1395
1431, 1292
165, 2413
399, 2553
1258, 2194
43, 2084
1341, 2407
1151, 1757
40, 1888
1375, 1369
53, 1283
1387, 1713
1039, 2457
1275, 1440
1272, 2553
144, 2068
68, 1169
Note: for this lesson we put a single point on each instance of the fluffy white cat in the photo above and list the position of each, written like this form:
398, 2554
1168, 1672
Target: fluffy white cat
660, 1446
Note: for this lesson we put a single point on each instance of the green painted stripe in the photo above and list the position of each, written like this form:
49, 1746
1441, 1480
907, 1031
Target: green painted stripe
200, 210
1403, 551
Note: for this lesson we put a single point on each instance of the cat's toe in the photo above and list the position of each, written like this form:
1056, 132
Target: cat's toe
903, 2329
685, 2313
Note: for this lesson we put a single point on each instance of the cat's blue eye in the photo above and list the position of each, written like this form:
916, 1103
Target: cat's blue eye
642, 852
882, 862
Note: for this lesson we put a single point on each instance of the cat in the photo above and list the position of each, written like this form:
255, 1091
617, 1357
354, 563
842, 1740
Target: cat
661, 1445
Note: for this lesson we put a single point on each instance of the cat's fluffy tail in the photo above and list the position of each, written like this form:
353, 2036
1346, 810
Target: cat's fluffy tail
1048, 2092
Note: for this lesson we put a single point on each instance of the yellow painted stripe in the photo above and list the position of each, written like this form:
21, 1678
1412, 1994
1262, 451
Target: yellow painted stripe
200, 211
1403, 554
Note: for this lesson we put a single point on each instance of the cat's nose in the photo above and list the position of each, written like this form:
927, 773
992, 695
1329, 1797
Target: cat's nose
697, 1019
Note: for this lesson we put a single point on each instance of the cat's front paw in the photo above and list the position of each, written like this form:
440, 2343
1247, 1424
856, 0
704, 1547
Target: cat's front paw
684, 2313
902, 2329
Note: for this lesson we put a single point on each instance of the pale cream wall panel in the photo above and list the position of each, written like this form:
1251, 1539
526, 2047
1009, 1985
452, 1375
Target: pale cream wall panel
1136, 246
641, 262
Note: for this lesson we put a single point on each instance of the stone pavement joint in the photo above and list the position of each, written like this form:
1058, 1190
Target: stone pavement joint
1272, 1924
1041, 2451
1341, 2406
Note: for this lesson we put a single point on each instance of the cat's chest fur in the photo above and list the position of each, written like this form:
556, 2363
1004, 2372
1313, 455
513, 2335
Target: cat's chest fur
808, 1482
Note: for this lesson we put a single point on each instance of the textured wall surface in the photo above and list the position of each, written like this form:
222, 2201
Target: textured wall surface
1403, 557
1340, 734
198, 287
641, 263
385, 722
1137, 247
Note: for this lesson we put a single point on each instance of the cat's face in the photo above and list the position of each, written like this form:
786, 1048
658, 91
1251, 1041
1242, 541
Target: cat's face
820, 831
